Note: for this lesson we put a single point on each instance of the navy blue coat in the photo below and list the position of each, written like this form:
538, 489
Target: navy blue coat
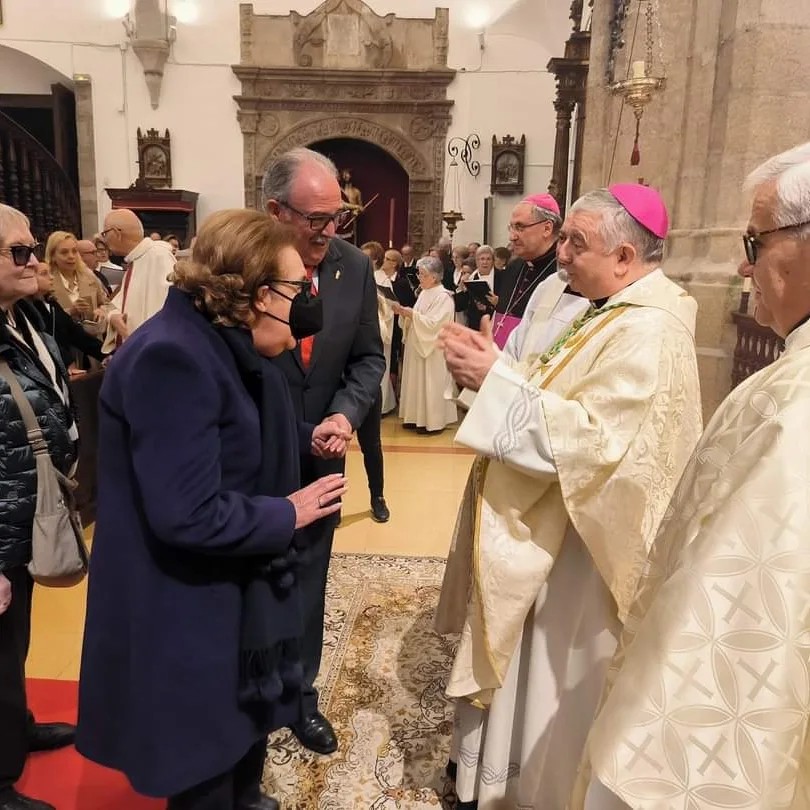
178, 513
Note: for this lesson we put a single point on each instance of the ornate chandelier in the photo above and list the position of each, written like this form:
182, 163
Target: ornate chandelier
644, 77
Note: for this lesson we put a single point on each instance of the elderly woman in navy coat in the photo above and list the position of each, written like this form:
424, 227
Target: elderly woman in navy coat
191, 645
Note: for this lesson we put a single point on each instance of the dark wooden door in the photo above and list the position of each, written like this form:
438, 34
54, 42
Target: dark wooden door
64, 131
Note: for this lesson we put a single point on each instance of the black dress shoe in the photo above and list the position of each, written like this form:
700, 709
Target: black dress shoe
263, 803
315, 732
11, 800
379, 510
50, 736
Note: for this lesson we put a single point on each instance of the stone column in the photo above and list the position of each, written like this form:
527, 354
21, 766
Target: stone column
86, 143
736, 93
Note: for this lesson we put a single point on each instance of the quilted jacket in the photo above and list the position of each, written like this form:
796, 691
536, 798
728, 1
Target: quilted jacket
18, 479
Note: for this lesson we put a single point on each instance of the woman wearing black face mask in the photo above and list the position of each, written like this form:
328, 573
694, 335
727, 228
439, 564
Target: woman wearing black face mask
191, 646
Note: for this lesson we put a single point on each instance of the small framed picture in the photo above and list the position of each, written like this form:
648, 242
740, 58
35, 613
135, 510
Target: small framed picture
508, 161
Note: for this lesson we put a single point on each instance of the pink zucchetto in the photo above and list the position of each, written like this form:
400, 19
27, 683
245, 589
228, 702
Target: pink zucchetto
545, 201
645, 205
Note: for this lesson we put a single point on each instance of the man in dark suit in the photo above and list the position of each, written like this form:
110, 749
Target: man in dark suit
408, 258
336, 376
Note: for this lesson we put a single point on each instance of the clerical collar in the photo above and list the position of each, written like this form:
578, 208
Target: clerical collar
803, 321
541, 260
597, 303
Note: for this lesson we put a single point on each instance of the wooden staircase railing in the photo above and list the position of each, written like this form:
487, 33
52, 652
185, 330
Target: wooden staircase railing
32, 180
757, 347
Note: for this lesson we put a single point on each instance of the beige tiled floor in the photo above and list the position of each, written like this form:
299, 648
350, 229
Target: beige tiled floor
424, 475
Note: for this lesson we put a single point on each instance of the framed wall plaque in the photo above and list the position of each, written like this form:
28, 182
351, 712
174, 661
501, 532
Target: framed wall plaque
154, 159
508, 161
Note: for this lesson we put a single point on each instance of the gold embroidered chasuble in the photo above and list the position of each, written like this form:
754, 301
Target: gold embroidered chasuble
710, 705
597, 435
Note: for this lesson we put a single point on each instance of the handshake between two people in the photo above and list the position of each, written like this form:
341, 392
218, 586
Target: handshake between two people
323, 497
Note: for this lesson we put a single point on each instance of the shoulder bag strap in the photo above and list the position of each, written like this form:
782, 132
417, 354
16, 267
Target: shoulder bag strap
32, 428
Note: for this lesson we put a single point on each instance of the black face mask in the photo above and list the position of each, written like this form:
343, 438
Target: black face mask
306, 314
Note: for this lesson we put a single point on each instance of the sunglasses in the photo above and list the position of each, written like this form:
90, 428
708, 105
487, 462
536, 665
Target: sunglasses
751, 241
21, 254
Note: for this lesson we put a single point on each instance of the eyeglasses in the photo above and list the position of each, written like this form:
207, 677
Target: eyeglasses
519, 227
751, 241
103, 234
317, 222
101, 251
21, 254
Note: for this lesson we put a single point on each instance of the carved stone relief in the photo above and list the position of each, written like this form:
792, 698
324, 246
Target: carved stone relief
390, 90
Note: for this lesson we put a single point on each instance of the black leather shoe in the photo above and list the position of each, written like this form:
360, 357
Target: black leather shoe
264, 803
315, 732
50, 736
11, 800
379, 510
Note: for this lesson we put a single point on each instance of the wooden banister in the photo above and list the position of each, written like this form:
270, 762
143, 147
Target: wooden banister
32, 180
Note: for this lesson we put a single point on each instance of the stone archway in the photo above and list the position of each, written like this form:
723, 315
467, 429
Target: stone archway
349, 74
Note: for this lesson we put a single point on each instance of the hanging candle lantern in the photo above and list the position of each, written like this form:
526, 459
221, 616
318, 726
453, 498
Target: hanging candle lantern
642, 83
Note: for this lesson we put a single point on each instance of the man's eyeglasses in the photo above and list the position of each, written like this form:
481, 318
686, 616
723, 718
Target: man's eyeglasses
317, 222
103, 234
751, 241
20, 254
519, 227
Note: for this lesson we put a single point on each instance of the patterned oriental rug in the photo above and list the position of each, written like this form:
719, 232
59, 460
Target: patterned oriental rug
382, 686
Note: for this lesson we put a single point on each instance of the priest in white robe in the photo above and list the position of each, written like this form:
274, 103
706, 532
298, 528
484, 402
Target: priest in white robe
384, 278
425, 378
148, 266
580, 448
711, 703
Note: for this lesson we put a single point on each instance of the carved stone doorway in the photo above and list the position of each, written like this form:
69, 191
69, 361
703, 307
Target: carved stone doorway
343, 72
383, 183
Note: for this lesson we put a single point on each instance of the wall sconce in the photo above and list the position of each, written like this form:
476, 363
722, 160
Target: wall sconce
463, 148
459, 148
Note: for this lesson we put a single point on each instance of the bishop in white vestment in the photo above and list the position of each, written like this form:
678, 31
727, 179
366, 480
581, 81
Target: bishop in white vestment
580, 448
709, 702
425, 378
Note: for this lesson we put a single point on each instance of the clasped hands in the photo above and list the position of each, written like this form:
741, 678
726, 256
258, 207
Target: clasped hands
331, 438
469, 354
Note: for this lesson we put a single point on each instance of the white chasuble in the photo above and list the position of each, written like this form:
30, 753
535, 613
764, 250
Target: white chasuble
581, 448
710, 705
425, 377
385, 313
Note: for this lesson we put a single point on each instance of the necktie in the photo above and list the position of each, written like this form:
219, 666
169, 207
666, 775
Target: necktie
307, 343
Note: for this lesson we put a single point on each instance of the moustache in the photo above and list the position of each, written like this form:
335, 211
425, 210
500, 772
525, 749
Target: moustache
563, 274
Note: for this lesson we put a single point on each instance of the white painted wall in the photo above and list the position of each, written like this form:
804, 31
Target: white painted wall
503, 89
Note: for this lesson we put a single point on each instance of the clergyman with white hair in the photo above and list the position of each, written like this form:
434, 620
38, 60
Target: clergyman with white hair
425, 379
579, 450
713, 683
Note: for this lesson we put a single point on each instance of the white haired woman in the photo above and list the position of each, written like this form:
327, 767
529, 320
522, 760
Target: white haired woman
425, 378
35, 363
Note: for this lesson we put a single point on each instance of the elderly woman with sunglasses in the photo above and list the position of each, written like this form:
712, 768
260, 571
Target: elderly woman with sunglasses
34, 361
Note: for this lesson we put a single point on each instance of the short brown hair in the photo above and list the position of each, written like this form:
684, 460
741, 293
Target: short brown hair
236, 253
375, 249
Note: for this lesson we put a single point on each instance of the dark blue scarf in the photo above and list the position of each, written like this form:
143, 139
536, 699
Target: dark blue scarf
270, 666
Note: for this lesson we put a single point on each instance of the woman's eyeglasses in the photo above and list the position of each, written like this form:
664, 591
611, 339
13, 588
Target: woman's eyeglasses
21, 254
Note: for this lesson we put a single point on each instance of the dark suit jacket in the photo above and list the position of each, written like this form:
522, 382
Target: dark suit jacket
66, 332
347, 362
180, 515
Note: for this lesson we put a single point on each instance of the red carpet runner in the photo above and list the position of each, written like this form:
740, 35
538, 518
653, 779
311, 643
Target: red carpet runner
65, 779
